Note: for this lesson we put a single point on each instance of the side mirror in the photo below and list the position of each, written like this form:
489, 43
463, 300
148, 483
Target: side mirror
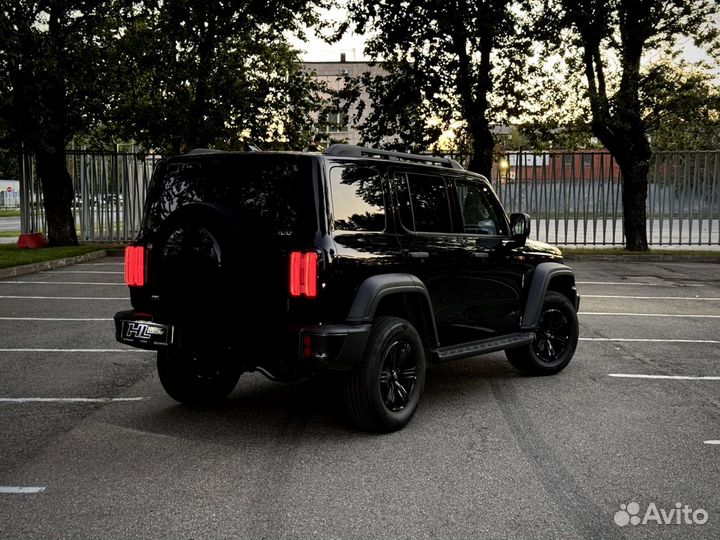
520, 228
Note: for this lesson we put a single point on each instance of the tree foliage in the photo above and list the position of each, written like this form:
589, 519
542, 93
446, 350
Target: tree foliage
53, 81
169, 74
445, 62
213, 73
625, 102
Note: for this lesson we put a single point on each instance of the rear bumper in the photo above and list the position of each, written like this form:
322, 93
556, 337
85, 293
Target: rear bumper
333, 346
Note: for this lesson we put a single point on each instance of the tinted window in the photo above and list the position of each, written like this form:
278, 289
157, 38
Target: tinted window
423, 202
275, 190
357, 199
479, 213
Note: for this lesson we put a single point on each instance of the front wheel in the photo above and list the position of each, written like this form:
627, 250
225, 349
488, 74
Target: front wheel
556, 337
383, 393
194, 378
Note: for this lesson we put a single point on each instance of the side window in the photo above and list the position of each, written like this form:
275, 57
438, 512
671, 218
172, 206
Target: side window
358, 201
479, 214
423, 202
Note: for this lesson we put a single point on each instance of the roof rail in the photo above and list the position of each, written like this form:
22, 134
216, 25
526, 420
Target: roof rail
201, 151
352, 150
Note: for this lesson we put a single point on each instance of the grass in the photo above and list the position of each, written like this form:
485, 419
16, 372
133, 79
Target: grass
11, 255
9, 234
9, 213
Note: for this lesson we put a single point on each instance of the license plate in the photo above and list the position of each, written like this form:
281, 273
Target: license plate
143, 333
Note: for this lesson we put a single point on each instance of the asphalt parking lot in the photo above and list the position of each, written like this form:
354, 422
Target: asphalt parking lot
625, 443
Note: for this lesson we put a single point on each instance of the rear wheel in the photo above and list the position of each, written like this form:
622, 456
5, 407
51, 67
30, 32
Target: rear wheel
383, 393
195, 378
556, 337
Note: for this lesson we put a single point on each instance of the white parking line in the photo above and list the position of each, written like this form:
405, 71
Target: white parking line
64, 319
79, 350
652, 340
63, 297
70, 400
672, 377
60, 283
17, 490
650, 297
582, 313
101, 264
712, 442
636, 284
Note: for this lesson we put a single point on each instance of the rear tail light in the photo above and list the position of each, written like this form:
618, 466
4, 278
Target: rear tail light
303, 274
135, 266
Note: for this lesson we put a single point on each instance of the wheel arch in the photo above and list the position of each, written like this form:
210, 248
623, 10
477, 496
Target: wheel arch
401, 295
547, 276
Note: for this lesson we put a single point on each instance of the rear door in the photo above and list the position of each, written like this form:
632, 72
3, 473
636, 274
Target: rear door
452, 230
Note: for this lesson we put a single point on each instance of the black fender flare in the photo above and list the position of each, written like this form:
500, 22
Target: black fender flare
375, 288
542, 276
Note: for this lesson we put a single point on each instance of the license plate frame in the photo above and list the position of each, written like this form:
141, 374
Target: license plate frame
146, 334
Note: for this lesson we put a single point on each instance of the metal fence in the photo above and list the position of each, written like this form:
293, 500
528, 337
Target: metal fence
576, 198
573, 198
109, 194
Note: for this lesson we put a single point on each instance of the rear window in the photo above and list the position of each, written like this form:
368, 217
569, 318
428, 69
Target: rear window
276, 188
358, 201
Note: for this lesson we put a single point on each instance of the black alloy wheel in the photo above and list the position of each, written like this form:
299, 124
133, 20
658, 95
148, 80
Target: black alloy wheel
398, 375
556, 337
383, 392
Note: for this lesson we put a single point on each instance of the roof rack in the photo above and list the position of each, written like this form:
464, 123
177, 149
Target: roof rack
351, 150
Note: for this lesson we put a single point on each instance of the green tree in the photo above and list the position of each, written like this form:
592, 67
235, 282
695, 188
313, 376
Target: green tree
618, 33
195, 74
444, 62
53, 79
684, 108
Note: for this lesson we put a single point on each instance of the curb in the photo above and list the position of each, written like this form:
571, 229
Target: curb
645, 258
50, 265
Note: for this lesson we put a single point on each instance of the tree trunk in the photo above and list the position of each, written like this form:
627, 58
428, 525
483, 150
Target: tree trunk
634, 195
57, 191
483, 145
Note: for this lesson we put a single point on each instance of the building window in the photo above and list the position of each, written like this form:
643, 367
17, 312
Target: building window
335, 122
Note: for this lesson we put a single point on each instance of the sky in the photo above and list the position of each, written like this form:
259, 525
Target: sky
316, 50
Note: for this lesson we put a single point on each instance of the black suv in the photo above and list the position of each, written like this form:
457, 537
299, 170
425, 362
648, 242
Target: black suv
366, 263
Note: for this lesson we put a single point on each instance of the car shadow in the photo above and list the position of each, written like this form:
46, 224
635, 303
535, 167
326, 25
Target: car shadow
260, 410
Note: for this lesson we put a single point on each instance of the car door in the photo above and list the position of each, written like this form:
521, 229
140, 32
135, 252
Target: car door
432, 249
493, 272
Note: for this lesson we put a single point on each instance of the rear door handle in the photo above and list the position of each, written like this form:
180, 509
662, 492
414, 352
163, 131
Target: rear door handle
417, 254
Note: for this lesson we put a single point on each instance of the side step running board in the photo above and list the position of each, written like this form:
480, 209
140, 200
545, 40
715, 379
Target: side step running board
456, 352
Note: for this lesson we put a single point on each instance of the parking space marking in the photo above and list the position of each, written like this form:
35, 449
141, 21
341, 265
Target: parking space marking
672, 377
640, 340
17, 490
650, 297
60, 283
648, 315
101, 264
133, 350
712, 442
63, 297
63, 319
70, 400
637, 284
